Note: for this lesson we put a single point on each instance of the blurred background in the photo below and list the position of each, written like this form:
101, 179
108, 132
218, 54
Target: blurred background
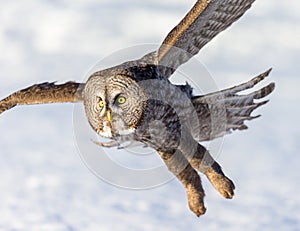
44, 185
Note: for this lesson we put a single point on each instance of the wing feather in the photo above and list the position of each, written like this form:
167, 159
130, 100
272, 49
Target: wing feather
224, 111
44, 93
203, 22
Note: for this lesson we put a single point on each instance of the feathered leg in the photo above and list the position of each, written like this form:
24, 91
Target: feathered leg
184, 172
201, 160
213, 172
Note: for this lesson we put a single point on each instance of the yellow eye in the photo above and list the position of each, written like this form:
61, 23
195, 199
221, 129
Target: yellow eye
121, 100
100, 102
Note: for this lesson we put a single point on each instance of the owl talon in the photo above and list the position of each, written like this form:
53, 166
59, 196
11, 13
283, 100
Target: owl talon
109, 144
131, 144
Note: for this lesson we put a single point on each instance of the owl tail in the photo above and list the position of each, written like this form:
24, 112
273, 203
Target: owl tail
44, 93
227, 110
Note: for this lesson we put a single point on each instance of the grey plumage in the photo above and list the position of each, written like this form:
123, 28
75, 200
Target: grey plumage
136, 101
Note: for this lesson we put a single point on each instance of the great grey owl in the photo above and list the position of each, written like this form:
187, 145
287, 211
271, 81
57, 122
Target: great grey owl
135, 101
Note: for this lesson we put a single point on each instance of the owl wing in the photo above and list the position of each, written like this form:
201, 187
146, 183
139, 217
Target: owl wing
44, 93
202, 23
221, 112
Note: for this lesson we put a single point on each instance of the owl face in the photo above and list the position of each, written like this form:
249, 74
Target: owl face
114, 105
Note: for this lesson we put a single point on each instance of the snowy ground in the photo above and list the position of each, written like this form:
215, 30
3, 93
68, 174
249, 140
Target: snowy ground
44, 184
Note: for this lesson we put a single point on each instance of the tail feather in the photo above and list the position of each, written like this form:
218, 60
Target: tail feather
224, 111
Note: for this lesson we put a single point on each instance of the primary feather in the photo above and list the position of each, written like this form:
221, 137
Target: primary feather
203, 22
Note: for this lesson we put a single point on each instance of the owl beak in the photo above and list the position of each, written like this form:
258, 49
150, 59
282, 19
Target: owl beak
109, 116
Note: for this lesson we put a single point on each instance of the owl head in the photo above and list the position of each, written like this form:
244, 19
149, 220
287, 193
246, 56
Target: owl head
114, 103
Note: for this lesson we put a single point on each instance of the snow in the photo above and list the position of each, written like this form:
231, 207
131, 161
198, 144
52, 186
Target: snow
45, 184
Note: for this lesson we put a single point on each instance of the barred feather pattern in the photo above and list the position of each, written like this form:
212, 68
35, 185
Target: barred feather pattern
222, 112
203, 22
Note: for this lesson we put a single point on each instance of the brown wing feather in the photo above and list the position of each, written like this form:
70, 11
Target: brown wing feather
44, 93
203, 22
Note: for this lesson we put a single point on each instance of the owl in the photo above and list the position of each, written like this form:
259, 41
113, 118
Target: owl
136, 101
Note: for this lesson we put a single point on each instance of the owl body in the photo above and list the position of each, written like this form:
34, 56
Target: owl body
135, 102
151, 102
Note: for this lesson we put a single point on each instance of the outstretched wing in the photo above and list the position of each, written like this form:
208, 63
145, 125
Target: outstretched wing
203, 22
44, 93
224, 111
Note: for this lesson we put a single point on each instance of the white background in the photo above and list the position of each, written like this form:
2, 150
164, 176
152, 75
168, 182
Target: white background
45, 186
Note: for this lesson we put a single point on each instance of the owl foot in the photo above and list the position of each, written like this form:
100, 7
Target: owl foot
222, 183
225, 187
195, 201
